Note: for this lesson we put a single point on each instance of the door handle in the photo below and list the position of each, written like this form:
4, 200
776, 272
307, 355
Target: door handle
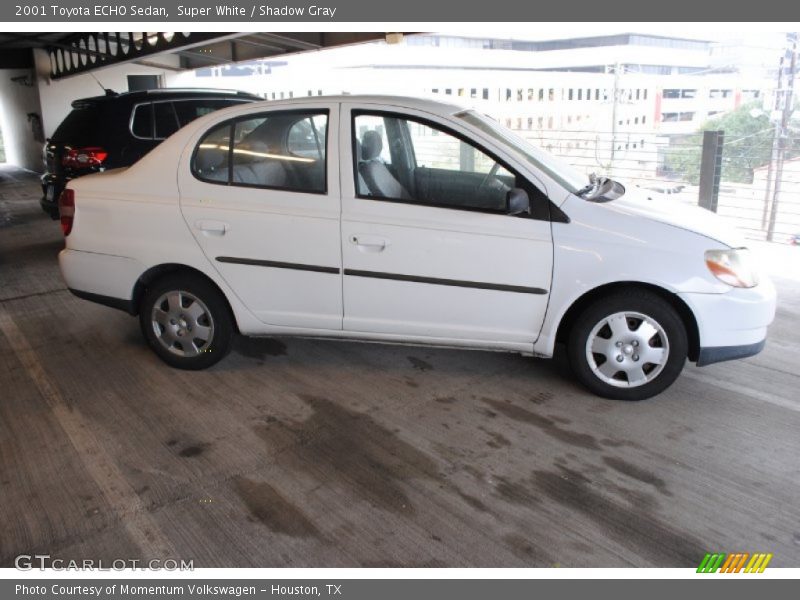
369, 243
212, 227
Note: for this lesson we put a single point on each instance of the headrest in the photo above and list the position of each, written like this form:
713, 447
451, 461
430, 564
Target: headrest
371, 145
208, 159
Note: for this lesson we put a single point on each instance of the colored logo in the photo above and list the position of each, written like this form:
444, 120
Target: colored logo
743, 562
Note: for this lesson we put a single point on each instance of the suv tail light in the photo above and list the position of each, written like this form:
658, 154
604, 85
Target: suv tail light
66, 208
80, 158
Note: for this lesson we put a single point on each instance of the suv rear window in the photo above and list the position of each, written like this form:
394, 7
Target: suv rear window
142, 121
165, 113
166, 122
83, 126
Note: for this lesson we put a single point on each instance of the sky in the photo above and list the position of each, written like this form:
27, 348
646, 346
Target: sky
700, 31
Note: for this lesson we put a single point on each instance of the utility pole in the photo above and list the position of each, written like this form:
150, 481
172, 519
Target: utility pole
784, 134
614, 102
775, 142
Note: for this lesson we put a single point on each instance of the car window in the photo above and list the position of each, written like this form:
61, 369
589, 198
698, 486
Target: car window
415, 161
83, 125
211, 158
142, 121
165, 120
437, 150
278, 150
189, 110
306, 138
365, 123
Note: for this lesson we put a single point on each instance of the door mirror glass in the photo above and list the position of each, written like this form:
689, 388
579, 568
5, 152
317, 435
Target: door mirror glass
518, 202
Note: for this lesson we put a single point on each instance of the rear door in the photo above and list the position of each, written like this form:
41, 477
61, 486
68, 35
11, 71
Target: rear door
428, 249
260, 194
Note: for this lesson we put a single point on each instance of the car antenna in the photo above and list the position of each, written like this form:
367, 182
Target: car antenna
107, 91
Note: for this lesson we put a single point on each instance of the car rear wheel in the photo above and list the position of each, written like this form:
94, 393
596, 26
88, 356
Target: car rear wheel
186, 321
628, 346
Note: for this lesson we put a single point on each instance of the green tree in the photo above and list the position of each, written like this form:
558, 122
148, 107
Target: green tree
747, 145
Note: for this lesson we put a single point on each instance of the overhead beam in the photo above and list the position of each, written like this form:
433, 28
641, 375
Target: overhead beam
118, 48
82, 52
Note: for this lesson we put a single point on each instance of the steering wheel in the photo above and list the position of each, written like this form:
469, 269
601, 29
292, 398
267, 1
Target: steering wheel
490, 175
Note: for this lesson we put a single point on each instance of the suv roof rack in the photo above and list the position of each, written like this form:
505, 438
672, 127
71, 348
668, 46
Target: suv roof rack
190, 89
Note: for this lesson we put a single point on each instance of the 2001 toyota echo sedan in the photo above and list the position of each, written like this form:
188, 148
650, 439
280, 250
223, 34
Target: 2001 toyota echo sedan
402, 220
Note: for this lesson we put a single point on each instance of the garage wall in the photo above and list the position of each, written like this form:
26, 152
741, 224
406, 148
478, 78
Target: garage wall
17, 100
57, 95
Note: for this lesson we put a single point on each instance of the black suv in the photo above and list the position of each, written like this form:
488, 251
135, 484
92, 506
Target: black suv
116, 130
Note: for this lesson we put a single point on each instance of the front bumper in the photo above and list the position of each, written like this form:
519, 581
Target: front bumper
715, 354
734, 324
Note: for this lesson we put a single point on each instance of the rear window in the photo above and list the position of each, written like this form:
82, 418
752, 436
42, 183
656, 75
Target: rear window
189, 110
166, 123
283, 150
142, 121
167, 116
83, 125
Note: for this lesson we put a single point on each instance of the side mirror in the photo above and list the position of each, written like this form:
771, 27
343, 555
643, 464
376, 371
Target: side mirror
517, 202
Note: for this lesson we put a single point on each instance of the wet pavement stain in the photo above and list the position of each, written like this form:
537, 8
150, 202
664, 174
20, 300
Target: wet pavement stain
259, 348
638, 530
497, 440
419, 364
541, 397
473, 501
433, 563
558, 419
366, 457
526, 550
634, 472
193, 450
612, 443
267, 505
445, 400
515, 492
547, 425
636, 498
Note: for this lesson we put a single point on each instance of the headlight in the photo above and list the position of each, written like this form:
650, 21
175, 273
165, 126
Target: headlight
734, 267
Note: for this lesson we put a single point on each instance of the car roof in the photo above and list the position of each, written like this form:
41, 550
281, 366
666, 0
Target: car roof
431, 106
164, 93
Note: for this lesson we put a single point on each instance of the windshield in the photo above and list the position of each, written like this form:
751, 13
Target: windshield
565, 174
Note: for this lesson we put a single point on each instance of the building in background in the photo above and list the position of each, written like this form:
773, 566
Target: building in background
610, 104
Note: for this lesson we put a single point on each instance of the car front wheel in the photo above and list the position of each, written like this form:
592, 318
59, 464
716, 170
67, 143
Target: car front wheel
628, 346
186, 321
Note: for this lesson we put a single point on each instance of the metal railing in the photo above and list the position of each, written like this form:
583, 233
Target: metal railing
732, 177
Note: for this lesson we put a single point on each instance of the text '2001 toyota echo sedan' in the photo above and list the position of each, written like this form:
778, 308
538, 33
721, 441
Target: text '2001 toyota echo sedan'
401, 220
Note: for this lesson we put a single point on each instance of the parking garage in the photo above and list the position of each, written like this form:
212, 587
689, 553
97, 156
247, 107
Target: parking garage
317, 453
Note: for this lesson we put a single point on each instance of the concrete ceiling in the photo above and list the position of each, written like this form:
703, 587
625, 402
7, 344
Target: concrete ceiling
75, 53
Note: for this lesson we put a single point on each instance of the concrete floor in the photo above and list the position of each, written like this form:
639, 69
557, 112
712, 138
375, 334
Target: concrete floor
317, 453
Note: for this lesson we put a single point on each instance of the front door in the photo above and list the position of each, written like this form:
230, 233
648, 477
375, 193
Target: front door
428, 248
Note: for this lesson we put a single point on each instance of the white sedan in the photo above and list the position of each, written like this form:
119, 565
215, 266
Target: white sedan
403, 220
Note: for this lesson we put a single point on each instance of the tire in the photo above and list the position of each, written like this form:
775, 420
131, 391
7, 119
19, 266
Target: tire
606, 342
186, 321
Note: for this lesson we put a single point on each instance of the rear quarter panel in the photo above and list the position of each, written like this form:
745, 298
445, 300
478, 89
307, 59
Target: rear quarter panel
134, 213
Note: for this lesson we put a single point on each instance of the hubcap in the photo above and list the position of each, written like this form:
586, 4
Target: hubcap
627, 349
182, 323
